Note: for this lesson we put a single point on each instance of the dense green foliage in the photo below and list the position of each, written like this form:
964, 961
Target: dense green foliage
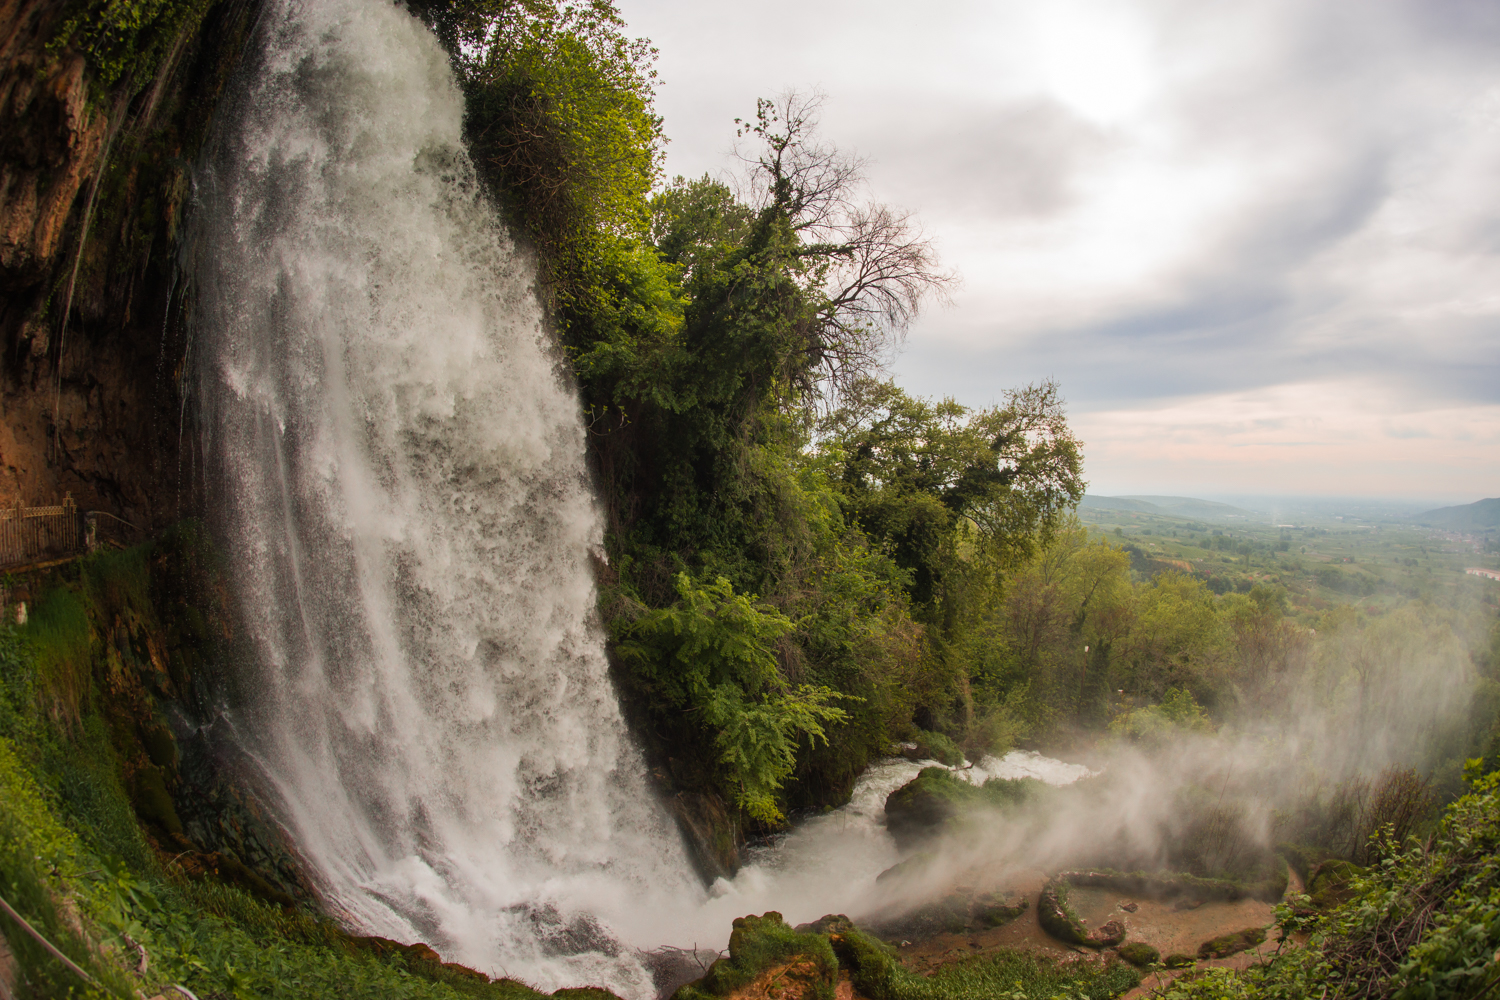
1423, 924
128, 41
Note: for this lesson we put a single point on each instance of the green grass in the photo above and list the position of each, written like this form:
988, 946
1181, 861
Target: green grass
1006, 975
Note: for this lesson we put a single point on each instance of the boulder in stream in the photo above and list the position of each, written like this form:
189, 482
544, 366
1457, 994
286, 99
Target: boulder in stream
937, 800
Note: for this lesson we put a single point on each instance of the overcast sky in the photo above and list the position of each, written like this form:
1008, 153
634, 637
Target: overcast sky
1258, 243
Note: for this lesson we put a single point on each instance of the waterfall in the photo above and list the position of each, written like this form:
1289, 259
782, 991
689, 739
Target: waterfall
409, 521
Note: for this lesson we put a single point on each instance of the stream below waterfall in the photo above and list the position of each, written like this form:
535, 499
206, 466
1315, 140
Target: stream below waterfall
829, 863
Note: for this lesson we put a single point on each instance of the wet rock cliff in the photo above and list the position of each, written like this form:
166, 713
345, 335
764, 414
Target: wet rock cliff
104, 106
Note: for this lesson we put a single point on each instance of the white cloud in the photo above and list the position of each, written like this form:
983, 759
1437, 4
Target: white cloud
1156, 200
1314, 438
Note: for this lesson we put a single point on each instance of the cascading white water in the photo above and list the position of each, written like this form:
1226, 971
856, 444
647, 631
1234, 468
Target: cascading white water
410, 520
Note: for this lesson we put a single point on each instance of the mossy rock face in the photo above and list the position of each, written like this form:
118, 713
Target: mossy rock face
152, 801
1056, 917
1107, 935
1138, 954
1232, 944
1178, 960
712, 834
160, 747
760, 944
936, 800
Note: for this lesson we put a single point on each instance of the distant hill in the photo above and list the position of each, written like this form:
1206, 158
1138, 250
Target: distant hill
1190, 507
1119, 503
1477, 515
1167, 506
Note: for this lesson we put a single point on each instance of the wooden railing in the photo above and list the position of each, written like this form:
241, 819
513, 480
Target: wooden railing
36, 534
31, 535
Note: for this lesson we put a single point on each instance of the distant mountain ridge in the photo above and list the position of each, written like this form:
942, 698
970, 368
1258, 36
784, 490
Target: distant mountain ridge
1479, 514
1168, 506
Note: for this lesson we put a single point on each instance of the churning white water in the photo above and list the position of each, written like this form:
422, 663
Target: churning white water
410, 520
831, 863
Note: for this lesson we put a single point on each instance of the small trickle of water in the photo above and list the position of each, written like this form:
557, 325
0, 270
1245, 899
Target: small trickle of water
410, 523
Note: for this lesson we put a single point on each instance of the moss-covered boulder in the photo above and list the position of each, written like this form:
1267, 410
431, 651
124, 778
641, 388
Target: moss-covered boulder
1139, 954
913, 868
925, 805
801, 963
1056, 917
937, 800
1179, 960
957, 913
990, 910
1106, 935
1232, 944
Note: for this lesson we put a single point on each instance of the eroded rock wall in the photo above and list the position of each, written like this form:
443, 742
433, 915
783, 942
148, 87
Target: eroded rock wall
94, 182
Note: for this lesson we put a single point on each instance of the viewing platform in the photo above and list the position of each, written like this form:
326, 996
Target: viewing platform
35, 537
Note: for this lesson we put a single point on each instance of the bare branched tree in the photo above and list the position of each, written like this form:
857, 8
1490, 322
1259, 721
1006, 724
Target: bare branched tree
869, 267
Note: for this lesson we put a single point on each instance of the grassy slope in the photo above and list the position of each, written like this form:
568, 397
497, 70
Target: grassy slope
77, 863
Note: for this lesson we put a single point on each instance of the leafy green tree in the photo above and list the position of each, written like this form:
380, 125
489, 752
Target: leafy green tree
932, 478
560, 118
712, 653
1176, 638
1176, 714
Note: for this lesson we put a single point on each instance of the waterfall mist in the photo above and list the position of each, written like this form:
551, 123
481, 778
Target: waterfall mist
409, 519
